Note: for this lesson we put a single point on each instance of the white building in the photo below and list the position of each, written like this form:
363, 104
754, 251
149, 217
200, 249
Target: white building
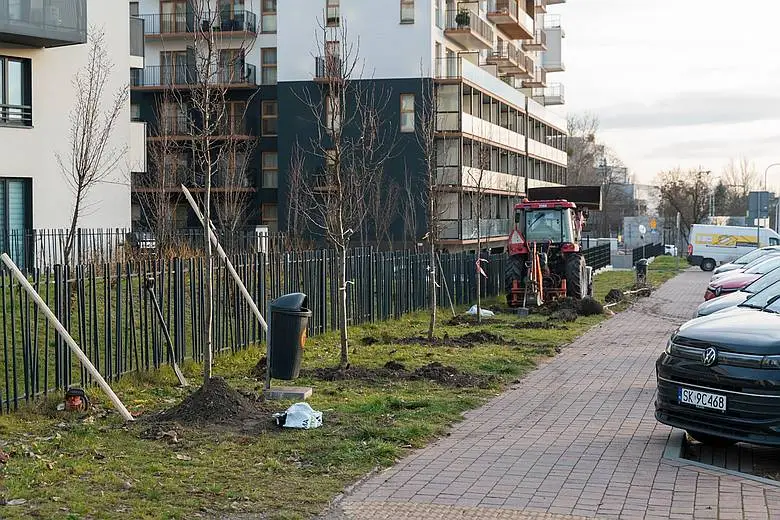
42, 46
488, 62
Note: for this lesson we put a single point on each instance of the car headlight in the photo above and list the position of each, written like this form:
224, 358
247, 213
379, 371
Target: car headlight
668, 349
771, 362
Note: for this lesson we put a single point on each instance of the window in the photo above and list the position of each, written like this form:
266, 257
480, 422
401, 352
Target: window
270, 217
407, 11
268, 65
234, 117
173, 68
270, 170
270, 116
173, 16
407, 113
134, 9
15, 92
231, 66
332, 13
15, 217
268, 16
135, 112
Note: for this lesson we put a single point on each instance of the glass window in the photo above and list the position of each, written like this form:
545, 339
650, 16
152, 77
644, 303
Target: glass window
332, 13
270, 170
543, 225
270, 116
268, 16
268, 65
15, 92
270, 217
133, 8
407, 113
407, 11
135, 112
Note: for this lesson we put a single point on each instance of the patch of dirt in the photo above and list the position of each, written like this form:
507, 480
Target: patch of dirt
368, 341
543, 325
216, 404
566, 315
258, 371
462, 319
444, 375
589, 307
468, 340
614, 296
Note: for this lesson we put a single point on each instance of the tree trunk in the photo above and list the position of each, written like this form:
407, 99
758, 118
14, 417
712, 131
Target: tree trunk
432, 325
342, 268
209, 310
73, 226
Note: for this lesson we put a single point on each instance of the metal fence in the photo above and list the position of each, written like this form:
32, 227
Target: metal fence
110, 313
647, 251
598, 257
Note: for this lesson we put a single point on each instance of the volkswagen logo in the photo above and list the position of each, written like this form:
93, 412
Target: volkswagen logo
709, 357
718, 290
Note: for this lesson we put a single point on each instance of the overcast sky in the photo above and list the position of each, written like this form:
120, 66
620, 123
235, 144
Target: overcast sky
684, 83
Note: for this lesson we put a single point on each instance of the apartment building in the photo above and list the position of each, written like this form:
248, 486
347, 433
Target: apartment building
488, 63
235, 41
42, 46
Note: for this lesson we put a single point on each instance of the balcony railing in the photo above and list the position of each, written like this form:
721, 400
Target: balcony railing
171, 126
552, 95
540, 6
539, 41
449, 67
507, 52
504, 6
181, 23
20, 115
327, 68
466, 19
176, 76
539, 78
47, 23
467, 229
552, 21
136, 37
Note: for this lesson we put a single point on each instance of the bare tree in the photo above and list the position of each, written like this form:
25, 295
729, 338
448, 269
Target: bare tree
233, 179
478, 181
583, 148
215, 64
296, 204
385, 196
353, 140
92, 156
686, 192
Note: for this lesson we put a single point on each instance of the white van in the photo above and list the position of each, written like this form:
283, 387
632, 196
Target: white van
710, 246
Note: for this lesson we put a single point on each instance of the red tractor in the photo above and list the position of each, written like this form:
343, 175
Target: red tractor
545, 256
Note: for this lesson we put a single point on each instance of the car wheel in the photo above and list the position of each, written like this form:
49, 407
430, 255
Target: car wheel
710, 440
708, 264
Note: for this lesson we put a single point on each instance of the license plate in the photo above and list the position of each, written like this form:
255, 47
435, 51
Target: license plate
701, 399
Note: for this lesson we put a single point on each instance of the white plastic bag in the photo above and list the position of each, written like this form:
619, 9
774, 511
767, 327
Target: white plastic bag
483, 312
299, 415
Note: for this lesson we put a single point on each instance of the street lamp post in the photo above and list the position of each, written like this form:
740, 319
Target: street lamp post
758, 206
766, 171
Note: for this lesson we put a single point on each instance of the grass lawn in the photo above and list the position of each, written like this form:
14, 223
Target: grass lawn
79, 467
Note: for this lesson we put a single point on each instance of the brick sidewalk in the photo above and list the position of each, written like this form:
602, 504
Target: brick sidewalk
576, 437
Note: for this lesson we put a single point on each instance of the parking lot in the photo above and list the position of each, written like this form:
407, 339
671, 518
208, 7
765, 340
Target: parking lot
576, 438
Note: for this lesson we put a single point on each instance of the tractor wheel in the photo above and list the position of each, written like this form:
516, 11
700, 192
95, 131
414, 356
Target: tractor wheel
515, 270
576, 283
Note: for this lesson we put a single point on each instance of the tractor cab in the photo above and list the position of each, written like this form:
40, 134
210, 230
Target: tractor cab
545, 260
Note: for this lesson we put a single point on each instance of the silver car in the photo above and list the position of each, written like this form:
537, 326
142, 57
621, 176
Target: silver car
767, 284
743, 260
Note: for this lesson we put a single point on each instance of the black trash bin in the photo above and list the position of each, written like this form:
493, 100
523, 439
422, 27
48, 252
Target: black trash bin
641, 270
287, 330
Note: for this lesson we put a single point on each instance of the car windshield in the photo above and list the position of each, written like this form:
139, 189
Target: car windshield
765, 281
546, 224
751, 256
764, 266
761, 298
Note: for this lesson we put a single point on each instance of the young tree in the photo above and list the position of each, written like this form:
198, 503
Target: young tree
686, 192
296, 204
478, 183
353, 140
583, 149
92, 155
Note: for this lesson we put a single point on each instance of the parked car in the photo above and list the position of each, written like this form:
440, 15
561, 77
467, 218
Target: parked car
754, 263
769, 283
740, 280
719, 377
743, 260
670, 250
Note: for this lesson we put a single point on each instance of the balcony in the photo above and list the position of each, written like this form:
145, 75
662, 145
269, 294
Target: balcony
136, 43
169, 76
537, 43
553, 2
468, 30
510, 18
467, 229
177, 174
540, 6
50, 23
552, 95
538, 80
328, 69
507, 58
184, 24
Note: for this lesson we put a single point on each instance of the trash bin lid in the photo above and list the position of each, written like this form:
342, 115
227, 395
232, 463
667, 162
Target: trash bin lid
642, 262
291, 302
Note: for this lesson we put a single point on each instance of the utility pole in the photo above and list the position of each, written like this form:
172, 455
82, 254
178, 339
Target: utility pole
527, 156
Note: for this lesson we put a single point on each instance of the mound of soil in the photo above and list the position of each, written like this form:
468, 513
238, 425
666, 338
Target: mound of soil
589, 307
450, 376
258, 371
614, 296
482, 336
395, 365
567, 315
216, 403
468, 340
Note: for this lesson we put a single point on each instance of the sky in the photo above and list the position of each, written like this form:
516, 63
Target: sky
682, 83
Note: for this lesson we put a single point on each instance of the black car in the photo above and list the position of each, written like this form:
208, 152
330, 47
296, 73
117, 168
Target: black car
719, 377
